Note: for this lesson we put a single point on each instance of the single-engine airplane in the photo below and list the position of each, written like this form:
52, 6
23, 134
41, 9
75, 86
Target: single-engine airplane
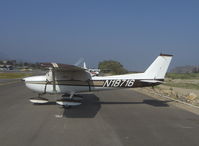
70, 80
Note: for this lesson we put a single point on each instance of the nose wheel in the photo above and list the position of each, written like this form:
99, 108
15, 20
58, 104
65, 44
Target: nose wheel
39, 100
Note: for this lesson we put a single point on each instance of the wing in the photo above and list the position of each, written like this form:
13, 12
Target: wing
62, 67
66, 72
59, 73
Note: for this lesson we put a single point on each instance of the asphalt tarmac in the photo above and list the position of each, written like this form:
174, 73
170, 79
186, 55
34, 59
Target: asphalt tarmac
108, 118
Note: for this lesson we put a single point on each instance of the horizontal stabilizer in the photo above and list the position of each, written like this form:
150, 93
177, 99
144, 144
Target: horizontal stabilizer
151, 81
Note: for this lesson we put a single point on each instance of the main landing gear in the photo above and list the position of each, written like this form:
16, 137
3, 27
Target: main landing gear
67, 101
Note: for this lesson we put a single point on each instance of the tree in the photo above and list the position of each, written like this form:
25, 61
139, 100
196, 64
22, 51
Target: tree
112, 66
195, 70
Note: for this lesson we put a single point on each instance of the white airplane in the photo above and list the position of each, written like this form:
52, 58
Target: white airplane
69, 80
93, 72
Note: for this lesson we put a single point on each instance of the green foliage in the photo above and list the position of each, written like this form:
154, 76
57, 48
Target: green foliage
111, 66
183, 75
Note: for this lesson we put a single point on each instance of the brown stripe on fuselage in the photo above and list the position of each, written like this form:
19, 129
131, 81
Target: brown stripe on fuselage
98, 83
139, 83
93, 83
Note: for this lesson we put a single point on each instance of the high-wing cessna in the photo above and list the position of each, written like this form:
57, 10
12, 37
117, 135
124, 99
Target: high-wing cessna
70, 80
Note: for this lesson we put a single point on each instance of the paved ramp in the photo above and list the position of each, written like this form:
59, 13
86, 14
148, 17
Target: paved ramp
120, 117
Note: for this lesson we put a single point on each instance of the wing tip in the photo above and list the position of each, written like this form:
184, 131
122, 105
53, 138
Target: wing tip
168, 55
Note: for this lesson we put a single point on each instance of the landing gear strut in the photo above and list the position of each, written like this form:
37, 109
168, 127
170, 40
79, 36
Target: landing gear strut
40, 99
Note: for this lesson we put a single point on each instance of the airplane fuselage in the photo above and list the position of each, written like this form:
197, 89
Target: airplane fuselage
41, 84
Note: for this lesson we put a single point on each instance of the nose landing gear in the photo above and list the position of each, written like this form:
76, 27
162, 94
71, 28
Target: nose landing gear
39, 100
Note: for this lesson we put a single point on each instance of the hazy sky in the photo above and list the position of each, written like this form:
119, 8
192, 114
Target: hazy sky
133, 32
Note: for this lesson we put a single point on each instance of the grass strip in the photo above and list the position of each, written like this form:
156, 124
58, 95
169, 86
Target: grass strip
183, 85
10, 75
183, 75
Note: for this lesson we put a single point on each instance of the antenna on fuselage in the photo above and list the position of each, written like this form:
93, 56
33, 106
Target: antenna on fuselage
79, 62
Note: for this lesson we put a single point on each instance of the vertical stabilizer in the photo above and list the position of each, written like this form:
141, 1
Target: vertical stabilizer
84, 65
159, 67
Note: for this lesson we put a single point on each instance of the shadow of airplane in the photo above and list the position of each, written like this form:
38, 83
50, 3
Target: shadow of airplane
91, 105
88, 109
157, 103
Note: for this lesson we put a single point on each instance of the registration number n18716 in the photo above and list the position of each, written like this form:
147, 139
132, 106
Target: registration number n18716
119, 83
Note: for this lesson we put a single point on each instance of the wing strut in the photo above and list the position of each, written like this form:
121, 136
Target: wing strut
53, 79
54, 84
